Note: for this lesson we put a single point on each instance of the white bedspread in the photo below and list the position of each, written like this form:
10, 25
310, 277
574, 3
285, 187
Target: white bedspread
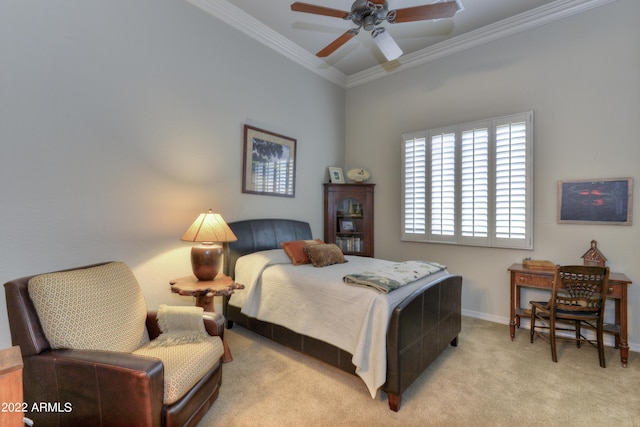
317, 303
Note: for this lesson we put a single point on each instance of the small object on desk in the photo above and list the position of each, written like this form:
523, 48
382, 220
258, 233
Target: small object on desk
538, 264
204, 291
593, 256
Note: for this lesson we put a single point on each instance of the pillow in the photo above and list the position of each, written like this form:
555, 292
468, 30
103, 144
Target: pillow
322, 255
96, 308
295, 250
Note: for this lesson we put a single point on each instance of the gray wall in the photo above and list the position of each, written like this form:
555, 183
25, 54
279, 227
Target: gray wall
121, 121
581, 77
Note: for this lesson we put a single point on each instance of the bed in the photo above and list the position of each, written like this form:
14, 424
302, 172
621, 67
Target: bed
420, 320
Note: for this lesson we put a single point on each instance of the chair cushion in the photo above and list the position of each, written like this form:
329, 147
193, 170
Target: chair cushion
96, 308
184, 364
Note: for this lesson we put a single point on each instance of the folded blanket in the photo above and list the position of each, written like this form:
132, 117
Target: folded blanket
395, 275
179, 325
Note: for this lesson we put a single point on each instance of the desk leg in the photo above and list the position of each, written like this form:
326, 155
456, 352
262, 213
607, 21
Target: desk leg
512, 309
621, 319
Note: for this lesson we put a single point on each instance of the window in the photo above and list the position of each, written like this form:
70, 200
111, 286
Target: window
470, 184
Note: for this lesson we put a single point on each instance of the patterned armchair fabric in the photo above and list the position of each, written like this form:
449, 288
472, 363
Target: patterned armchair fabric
98, 308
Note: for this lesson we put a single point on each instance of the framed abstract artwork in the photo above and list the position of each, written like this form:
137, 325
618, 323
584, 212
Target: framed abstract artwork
269, 163
596, 201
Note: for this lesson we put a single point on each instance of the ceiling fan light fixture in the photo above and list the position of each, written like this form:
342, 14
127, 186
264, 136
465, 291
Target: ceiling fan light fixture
369, 22
386, 44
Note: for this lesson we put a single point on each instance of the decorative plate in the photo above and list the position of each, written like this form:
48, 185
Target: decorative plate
358, 175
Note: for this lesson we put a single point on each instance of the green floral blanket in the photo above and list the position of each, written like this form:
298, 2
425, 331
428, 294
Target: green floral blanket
393, 276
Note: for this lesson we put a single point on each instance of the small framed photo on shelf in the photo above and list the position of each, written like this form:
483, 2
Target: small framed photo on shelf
335, 175
347, 225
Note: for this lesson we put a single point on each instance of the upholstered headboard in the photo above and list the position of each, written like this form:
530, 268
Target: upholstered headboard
262, 234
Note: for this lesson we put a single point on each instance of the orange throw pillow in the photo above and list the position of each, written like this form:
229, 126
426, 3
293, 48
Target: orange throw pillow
295, 250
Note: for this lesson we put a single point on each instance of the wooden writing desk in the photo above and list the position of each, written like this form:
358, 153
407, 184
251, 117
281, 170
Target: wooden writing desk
542, 279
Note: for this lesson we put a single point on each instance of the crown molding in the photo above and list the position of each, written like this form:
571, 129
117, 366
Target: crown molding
240, 20
542, 15
525, 21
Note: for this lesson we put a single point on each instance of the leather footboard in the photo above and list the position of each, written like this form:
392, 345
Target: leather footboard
420, 329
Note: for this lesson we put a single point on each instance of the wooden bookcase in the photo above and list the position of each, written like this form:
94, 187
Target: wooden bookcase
348, 217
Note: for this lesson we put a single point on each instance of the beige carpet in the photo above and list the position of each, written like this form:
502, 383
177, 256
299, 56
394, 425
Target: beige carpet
487, 380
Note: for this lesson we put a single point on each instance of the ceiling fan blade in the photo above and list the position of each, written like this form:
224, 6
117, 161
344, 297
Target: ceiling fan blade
386, 44
377, 1
318, 10
334, 45
426, 12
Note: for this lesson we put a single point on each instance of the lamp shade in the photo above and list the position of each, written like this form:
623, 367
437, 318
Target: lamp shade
205, 258
209, 227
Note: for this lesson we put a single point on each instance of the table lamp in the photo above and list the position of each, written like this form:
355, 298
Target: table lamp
208, 228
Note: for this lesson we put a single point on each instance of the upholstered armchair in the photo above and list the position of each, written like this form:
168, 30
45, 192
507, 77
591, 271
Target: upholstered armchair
93, 355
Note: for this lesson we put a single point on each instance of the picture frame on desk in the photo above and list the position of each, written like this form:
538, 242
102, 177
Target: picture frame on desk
595, 201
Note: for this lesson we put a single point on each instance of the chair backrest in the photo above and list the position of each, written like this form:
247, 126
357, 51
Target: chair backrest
98, 307
24, 324
580, 288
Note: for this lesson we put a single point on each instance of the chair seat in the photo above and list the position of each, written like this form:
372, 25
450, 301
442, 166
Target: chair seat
564, 314
184, 364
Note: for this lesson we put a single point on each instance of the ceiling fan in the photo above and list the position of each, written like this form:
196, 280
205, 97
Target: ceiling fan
368, 14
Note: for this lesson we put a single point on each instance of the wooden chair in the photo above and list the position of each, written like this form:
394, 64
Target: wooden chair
578, 298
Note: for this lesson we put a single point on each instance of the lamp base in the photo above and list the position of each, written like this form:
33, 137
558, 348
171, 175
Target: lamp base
205, 261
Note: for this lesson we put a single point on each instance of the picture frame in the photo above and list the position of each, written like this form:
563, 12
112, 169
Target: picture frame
335, 175
595, 201
347, 225
269, 163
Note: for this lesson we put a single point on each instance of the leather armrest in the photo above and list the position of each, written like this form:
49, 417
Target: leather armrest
99, 387
213, 323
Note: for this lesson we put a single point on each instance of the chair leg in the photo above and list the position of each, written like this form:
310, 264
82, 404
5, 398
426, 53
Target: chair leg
600, 333
578, 334
552, 338
532, 325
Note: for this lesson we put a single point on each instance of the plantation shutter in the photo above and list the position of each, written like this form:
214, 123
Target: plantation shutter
474, 181
414, 151
443, 185
470, 184
512, 181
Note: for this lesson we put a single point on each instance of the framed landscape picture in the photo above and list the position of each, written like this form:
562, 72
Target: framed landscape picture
595, 201
269, 163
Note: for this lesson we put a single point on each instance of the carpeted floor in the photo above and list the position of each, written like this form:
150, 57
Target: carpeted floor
487, 380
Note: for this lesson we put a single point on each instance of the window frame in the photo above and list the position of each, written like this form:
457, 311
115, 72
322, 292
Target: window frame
516, 180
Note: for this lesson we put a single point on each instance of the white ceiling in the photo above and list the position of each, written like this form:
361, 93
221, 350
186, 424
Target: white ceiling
300, 36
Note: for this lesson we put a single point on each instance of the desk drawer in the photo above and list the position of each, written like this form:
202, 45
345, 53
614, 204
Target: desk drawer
533, 280
615, 291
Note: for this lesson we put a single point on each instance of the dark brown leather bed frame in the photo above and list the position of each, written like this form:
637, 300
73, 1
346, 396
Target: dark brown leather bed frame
420, 329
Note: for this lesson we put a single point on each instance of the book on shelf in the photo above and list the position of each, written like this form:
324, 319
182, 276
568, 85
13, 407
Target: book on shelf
349, 243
